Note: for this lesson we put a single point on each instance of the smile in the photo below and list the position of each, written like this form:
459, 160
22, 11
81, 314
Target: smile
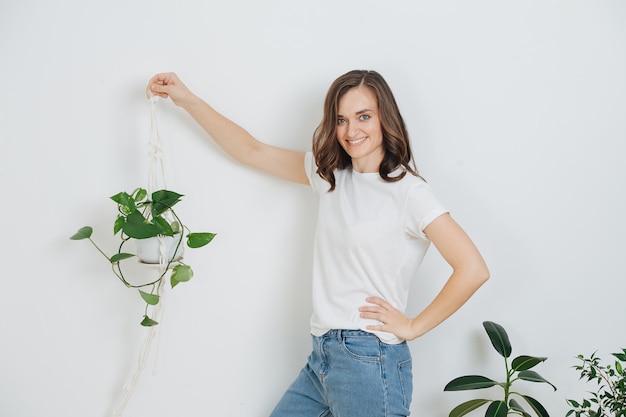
356, 142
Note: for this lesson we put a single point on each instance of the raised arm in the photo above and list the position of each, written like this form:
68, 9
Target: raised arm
235, 140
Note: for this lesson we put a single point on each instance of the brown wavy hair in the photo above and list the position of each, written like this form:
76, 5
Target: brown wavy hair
328, 153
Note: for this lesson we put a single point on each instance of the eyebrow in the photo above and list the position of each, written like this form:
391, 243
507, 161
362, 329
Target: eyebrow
357, 113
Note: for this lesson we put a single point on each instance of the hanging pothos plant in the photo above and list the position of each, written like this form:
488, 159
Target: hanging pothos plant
144, 219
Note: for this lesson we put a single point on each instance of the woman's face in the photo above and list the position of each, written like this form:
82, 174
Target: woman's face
358, 129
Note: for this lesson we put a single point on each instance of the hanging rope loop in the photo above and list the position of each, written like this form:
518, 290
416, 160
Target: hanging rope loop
155, 152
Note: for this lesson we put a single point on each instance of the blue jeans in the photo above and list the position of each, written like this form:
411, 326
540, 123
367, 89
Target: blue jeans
351, 373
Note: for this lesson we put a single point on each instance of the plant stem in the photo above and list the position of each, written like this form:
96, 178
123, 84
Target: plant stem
507, 386
99, 250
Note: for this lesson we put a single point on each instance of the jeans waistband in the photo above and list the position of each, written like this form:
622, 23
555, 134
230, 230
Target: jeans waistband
341, 333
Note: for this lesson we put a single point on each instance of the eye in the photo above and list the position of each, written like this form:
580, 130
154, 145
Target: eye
341, 121
365, 117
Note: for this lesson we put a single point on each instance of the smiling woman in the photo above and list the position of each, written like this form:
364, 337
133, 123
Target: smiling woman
370, 93
377, 218
358, 129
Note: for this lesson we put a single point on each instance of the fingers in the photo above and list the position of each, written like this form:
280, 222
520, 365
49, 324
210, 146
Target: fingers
378, 301
377, 311
380, 311
158, 84
390, 318
168, 85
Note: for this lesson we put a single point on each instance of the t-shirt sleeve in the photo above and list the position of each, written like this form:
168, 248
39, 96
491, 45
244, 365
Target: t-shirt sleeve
422, 208
317, 183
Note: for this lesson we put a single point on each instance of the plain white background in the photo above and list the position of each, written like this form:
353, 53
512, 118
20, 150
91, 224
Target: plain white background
516, 110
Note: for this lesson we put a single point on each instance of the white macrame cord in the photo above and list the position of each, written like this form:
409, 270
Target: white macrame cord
156, 181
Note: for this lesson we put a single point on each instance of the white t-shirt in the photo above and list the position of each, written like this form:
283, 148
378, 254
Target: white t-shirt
369, 240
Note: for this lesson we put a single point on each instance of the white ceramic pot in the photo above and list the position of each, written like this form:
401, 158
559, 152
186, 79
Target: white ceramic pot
148, 250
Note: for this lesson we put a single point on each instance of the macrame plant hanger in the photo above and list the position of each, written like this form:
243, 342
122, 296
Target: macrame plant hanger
156, 181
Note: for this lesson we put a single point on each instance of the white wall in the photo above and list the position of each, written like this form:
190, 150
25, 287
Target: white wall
516, 110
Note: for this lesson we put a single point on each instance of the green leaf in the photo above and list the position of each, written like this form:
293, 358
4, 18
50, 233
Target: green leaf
180, 273
497, 409
514, 405
618, 368
163, 200
120, 257
523, 363
83, 233
125, 202
536, 406
621, 356
469, 382
138, 227
499, 338
119, 224
534, 377
164, 226
573, 403
151, 299
466, 407
140, 194
197, 240
147, 322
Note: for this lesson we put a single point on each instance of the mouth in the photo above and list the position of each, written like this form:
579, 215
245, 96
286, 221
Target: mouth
356, 142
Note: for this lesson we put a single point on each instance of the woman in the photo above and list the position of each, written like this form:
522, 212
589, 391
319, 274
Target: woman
377, 217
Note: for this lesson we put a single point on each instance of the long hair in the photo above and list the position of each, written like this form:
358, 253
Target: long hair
328, 153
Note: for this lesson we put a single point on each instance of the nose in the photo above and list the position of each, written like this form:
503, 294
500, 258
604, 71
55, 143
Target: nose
353, 130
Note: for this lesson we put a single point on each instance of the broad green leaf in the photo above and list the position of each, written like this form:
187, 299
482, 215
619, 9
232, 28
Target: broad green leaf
537, 407
140, 194
83, 233
497, 409
197, 240
499, 338
466, 407
534, 377
164, 226
147, 322
180, 273
152, 299
138, 227
514, 405
119, 224
469, 382
523, 363
163, 200
125, 202
120, 257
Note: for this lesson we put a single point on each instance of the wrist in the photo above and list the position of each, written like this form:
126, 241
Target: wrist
417, 328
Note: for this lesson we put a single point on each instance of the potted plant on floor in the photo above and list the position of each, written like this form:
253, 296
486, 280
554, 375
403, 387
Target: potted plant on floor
515, 370
153, 224
609, 399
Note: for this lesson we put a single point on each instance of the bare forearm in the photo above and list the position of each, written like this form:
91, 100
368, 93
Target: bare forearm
231, 137
456, 292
